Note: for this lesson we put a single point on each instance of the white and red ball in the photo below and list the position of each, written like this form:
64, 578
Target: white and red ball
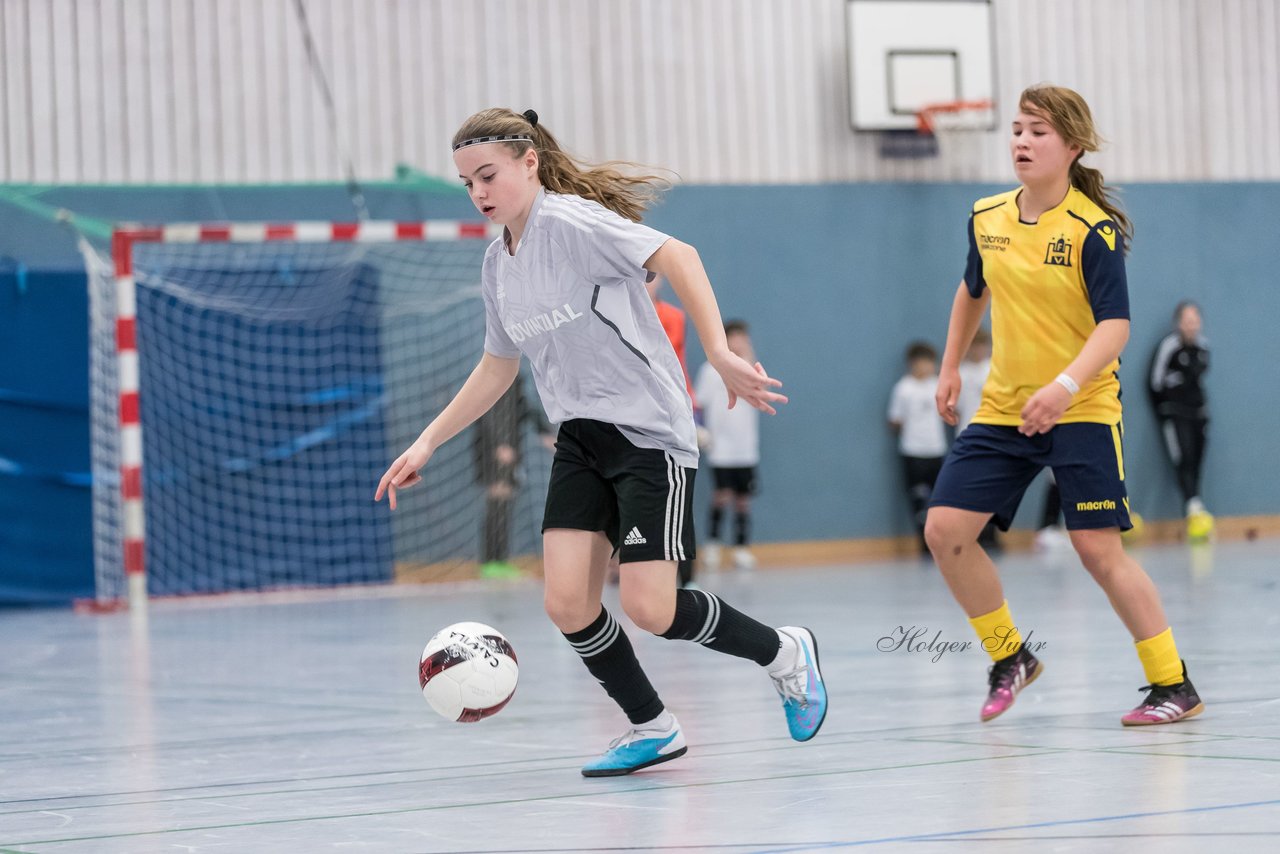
468, 672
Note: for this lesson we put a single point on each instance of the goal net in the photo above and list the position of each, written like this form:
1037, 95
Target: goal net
251, 383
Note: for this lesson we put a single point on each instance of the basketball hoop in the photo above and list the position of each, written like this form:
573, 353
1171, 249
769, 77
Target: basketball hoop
922, 140
959, 115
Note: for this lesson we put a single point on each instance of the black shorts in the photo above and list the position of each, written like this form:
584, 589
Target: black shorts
990, 467
641, 498
741, 480
921, 470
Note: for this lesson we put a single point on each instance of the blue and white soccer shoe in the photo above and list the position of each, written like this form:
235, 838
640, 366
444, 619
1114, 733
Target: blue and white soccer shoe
804, 696
638, 748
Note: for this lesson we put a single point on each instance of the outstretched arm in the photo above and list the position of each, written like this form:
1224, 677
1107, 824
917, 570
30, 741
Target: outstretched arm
488, 382
680, 263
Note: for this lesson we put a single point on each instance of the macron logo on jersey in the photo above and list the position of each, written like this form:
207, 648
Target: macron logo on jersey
1108, 234
541, 323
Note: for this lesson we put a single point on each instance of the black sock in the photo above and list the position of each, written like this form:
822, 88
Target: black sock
716, 515
607, 652
742, 528
702, 618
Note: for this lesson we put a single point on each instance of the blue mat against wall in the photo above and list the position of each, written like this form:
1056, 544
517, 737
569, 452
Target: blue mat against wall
46, 542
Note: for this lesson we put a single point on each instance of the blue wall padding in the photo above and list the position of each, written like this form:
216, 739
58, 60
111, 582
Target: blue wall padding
46, 546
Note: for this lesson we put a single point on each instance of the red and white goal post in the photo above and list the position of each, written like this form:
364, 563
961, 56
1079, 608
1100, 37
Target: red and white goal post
249, 384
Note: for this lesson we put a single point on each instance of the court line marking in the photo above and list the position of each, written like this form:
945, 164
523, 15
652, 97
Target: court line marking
294, 733
1027, 722
1209, 834
510, 766
508, 801
951, 835
446, 775
1128, 751
928, 740
948, 836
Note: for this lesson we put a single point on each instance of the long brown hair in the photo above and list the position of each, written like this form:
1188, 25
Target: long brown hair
1070, 116
618, 185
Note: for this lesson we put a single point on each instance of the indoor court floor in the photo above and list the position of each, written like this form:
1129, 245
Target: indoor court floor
295, 723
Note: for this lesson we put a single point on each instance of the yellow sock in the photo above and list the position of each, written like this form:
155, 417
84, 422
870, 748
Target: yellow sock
1160, 659
997, 633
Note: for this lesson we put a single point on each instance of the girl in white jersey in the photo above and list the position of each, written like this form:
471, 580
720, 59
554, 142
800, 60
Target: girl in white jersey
564, 286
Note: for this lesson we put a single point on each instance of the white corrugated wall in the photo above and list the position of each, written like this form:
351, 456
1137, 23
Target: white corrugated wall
723, 91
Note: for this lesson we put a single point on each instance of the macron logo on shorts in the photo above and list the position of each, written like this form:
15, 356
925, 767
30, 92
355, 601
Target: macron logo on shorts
1083, 506
634, 538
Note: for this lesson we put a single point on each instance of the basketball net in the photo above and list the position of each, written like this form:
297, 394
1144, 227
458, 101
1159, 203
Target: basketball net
936, 123
954, 115
949, 128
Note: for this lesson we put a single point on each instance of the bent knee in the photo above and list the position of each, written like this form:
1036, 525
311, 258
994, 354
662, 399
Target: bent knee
940, 533
570, 613
651, 616
1102, 555
1101, 564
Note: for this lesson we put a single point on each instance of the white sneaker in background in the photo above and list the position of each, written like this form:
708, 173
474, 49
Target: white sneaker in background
1051, 539
743, 559
710, 555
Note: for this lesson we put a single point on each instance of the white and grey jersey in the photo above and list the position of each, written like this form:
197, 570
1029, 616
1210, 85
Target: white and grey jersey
572, 299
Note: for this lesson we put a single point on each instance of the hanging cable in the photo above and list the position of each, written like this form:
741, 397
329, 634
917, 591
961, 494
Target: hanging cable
322, 82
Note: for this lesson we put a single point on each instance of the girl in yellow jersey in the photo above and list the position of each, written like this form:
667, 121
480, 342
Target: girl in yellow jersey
1048, 258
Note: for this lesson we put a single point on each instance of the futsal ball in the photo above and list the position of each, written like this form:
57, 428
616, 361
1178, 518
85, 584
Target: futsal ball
468, 672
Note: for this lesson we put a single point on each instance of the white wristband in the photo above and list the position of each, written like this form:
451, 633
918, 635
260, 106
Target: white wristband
1067, 383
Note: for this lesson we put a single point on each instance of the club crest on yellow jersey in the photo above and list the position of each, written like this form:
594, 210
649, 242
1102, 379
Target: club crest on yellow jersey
1058, 254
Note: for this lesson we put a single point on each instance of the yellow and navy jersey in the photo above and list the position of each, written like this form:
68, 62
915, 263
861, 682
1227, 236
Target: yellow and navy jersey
1052, 282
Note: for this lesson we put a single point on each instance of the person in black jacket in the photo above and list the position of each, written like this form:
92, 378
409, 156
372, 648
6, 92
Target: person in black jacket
1177, 393
496, 450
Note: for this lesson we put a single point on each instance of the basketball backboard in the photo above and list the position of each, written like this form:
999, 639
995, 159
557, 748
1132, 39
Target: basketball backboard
905, 55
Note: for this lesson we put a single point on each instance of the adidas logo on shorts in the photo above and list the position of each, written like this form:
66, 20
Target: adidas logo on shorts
634, 538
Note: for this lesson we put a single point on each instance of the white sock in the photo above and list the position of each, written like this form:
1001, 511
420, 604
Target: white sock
661, 723
785, 660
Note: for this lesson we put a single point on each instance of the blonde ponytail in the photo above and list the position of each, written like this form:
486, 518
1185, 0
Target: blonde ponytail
620, 186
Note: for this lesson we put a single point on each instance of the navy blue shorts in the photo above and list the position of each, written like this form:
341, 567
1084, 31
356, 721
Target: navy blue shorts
990, 467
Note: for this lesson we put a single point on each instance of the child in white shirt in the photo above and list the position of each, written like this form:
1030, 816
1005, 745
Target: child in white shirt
922, 439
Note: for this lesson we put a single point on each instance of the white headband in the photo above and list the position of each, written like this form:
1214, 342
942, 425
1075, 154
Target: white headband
480, 140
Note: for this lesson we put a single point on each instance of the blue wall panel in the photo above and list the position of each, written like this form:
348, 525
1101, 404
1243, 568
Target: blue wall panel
837, 279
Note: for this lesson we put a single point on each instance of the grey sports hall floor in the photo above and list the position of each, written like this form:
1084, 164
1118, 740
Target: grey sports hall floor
259, 725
